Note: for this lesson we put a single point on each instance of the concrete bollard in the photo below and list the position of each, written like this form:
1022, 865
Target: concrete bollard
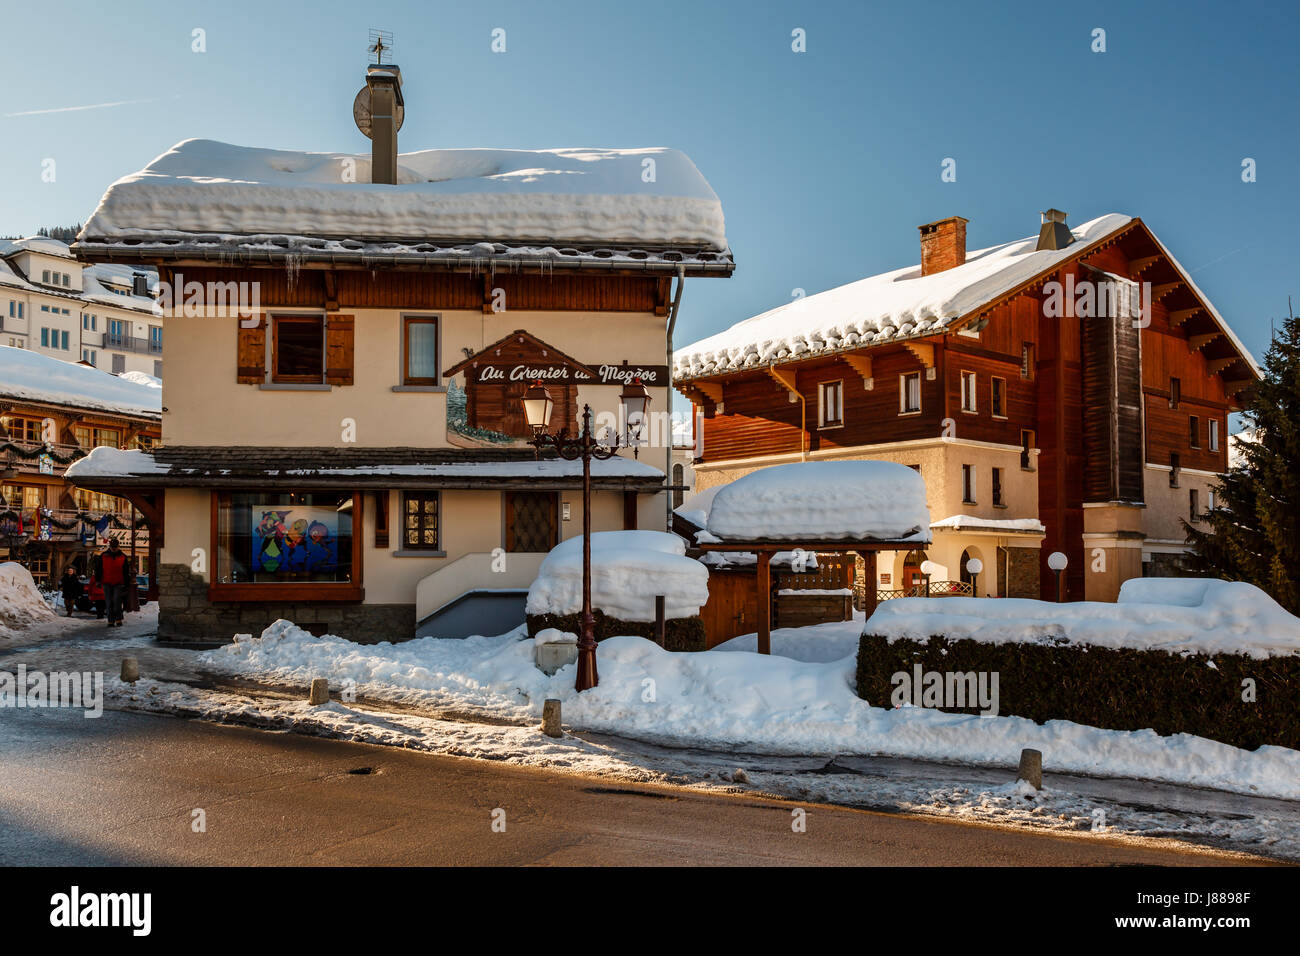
320, 691
130, 670
1031, 768
551, 718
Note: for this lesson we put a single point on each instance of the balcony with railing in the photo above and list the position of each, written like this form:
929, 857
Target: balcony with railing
132, 343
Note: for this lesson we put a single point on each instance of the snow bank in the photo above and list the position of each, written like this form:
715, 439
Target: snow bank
549, 195
958, 522
21, 604
741, 701
823, 500
695, 508
891, 305
30, 375
1180, 616
628, 569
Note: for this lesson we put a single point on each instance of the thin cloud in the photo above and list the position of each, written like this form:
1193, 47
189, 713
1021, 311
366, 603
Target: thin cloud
74, 109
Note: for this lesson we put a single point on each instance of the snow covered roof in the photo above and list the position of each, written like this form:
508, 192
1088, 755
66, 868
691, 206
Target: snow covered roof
448, 202
1004, 525
893, 305
822, 501
246, 466
96, 278
42, 244
39, 378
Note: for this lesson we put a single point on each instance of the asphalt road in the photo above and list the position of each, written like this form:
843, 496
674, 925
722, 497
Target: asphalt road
123, 789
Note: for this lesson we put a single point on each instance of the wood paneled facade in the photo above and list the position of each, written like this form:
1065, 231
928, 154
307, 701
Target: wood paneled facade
1092, 392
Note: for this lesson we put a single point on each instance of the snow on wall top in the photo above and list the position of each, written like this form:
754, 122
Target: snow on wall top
1181, 616
891, 305
39, 378
823, 500
553, 195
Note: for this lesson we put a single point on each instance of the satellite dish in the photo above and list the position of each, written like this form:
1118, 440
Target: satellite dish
361, 112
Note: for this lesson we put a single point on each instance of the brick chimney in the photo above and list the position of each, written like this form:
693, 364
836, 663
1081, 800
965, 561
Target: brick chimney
943, 244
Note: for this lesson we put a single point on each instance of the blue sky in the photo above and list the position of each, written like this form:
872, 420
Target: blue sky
825, 161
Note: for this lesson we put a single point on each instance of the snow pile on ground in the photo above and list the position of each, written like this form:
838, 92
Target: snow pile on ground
628, 569
891, 305
21, 603
741, 701
695, 508
104, 461
551, 195
27, 374
1181, 616
817, 500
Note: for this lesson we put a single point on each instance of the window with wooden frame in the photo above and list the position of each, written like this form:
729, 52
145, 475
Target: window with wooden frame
830, 404
1027, 360
1175, 466
88, 436
1175, 392
968, 484
297, 349
1026, 449
909, 393
1193, 505
968, 386
381, 519
1214, 434
1194, 431
998, 397
419, 350
996, 490
23, 429
420, 521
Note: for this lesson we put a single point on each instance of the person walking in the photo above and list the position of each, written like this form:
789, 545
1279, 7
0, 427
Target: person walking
113, 570
70, 585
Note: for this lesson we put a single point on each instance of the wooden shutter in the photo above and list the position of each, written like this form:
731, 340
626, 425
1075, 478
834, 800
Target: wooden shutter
338, 349
251, 359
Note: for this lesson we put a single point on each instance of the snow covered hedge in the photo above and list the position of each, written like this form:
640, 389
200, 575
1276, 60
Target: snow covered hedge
628, 570
1215, 659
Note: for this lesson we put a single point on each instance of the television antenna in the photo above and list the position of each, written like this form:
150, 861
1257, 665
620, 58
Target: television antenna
381, 42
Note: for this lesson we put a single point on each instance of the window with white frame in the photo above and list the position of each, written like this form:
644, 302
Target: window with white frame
1214, 435
909, 393
968, 385
831, 404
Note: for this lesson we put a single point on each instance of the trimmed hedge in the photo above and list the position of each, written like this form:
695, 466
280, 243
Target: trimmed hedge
680, 633
1118, 689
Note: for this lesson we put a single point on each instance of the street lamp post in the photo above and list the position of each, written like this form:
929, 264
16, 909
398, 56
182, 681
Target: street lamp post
973, 567
928, 568
538, 406
1057, 562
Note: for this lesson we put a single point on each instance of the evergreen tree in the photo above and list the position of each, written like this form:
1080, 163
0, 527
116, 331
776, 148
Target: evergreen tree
1254, 532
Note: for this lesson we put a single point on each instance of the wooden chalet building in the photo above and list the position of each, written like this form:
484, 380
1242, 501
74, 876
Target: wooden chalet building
1068, 392
347, 450
54, 413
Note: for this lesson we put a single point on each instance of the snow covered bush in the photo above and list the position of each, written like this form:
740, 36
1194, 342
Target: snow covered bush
1216, 659
628, 570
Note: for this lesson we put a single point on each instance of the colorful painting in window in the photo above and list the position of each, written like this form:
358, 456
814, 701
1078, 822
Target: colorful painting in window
295, 540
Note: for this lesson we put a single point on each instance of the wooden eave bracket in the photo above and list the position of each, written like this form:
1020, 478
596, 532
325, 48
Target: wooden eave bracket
1198, 342
924, 353
1178, 316
710, 390
787, 380
1164, 288
1235, 385
1219, 364
331, 290
1137, 266
862, 365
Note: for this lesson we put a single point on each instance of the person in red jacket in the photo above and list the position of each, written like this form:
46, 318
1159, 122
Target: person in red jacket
115, 574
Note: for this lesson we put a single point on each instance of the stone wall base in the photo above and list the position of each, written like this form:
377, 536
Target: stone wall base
1022, 573
186, 614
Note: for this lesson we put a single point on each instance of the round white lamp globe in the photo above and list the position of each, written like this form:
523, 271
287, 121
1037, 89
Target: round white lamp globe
974, 566
1057, 561
929, 568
